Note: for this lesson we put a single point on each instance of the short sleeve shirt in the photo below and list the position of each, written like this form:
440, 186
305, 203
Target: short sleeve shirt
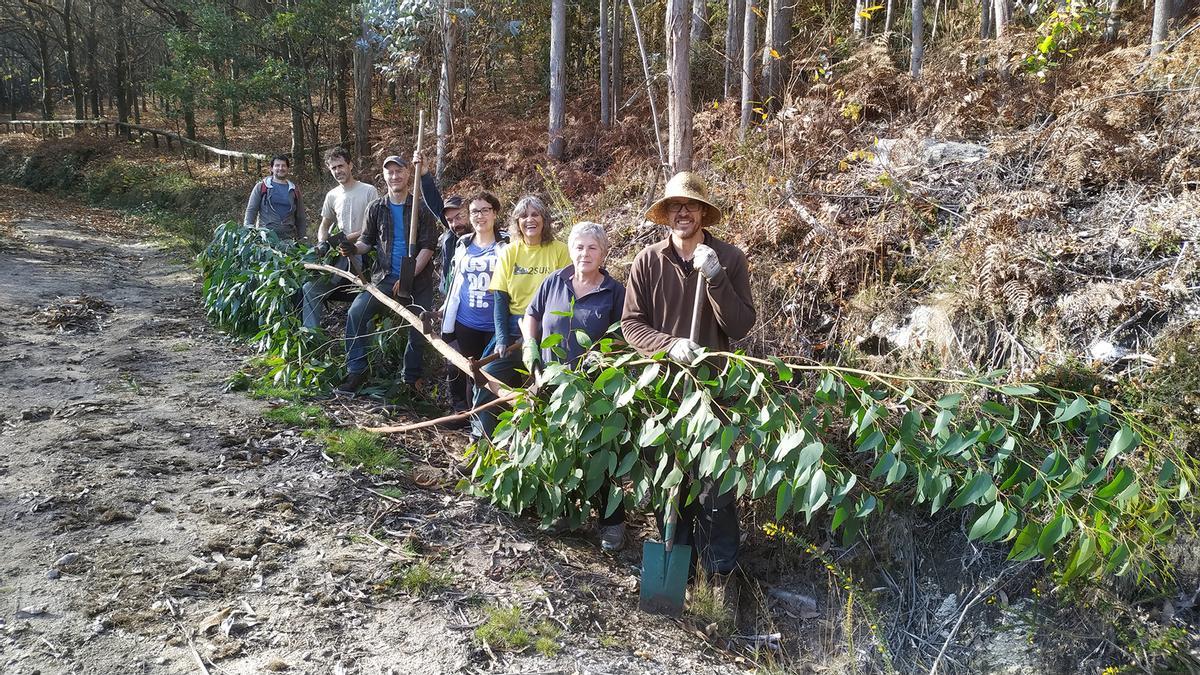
559, 310
474, 299
349, 207
521, 269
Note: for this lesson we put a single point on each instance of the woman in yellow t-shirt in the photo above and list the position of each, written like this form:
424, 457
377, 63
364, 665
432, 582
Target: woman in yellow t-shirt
532, 255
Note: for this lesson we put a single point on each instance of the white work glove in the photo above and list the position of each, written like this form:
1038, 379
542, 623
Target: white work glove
683, 350
705, 260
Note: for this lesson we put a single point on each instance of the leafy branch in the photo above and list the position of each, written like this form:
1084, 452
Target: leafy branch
1051, 473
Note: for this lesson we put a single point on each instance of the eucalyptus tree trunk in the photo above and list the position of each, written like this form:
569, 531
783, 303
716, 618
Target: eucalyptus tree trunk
985, 19
1003, 13
641, 42
617, 69
860, 21
606, 102
342, 71
679, 85
558, 72
297, 134
364, 70
1158, 33
749, 27
918, 38
701, 30
733, 46
889, 16
775, 51
446, 87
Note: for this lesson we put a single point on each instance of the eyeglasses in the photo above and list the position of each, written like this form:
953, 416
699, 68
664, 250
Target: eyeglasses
480, 212
692, 207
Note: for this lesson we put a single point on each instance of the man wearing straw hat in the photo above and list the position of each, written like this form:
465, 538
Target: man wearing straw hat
658, 316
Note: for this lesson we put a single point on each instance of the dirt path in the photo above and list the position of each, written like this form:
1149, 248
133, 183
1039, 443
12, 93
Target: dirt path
151, 521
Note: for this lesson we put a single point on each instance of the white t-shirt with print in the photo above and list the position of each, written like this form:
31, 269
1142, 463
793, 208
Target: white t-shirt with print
349, 207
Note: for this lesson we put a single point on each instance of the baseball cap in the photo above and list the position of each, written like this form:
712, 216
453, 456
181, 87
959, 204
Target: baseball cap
452, 202
403, 163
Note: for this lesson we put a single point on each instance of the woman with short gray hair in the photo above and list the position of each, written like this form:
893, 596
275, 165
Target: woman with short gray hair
580, 297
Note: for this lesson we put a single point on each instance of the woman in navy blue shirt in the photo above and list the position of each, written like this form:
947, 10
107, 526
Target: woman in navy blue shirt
581, 296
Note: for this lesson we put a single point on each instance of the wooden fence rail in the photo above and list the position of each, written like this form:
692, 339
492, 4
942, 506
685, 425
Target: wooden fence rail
59, 128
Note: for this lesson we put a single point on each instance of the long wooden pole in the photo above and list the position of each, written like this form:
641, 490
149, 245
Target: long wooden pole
637, 29
457, 360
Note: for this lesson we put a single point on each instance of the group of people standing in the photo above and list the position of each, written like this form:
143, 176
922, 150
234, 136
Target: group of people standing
505, 290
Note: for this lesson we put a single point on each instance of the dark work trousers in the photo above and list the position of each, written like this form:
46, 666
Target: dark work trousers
710, 526
600, 503
471, 343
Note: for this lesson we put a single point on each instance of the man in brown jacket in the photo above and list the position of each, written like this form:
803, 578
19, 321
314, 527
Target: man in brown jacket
657, 318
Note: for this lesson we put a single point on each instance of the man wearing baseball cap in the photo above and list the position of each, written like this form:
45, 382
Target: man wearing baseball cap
657, 318
387, 232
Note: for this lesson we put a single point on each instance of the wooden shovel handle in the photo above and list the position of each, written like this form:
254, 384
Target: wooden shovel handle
416, 189
695, 329
670, 518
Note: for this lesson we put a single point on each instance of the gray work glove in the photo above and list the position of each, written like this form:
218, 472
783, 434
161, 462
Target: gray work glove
705, 260
683, 350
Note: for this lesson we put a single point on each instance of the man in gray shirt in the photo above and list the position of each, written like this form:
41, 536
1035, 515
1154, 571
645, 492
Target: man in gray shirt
275, 203
345, 205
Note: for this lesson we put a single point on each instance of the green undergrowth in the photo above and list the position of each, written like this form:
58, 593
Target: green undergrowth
510, 630
358, 448
298, 415
420, 579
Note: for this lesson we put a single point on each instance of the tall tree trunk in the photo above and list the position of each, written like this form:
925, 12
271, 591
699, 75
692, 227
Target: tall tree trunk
641, 42
339, 83
605, 82
1003, 13
446, 86
618, 49
121, 67
985, 19
363, 70
860, 22
733, 46
701, 30
1112, 25
1158, 33
47, 67
77, 97
889, 16
297, 135
937, 10
679, 85
918, 38
314, 136
558, 72
93, 71
749, 28
775, 52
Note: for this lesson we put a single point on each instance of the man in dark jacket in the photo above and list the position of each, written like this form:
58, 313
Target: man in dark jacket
387, 232
275, 203
657, 318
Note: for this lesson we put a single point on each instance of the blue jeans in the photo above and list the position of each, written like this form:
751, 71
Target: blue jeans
503, 369
358, 328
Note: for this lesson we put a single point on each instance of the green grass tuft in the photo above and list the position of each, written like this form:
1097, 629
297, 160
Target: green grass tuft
298, 415
422, 580
507, 630
356, 447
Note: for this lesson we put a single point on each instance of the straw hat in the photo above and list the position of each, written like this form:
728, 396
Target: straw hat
685, 185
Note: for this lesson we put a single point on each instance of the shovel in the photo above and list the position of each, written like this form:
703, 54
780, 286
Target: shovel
408, 264
665, 566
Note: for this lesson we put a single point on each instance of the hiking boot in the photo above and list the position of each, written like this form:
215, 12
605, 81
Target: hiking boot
352, 383
612, 537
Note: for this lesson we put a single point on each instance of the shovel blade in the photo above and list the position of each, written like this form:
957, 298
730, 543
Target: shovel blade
664, 578
408, 269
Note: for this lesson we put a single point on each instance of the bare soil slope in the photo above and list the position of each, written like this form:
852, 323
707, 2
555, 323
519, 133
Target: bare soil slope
150, 522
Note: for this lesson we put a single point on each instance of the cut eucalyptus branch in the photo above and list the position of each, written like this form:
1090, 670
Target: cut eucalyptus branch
1049, 472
